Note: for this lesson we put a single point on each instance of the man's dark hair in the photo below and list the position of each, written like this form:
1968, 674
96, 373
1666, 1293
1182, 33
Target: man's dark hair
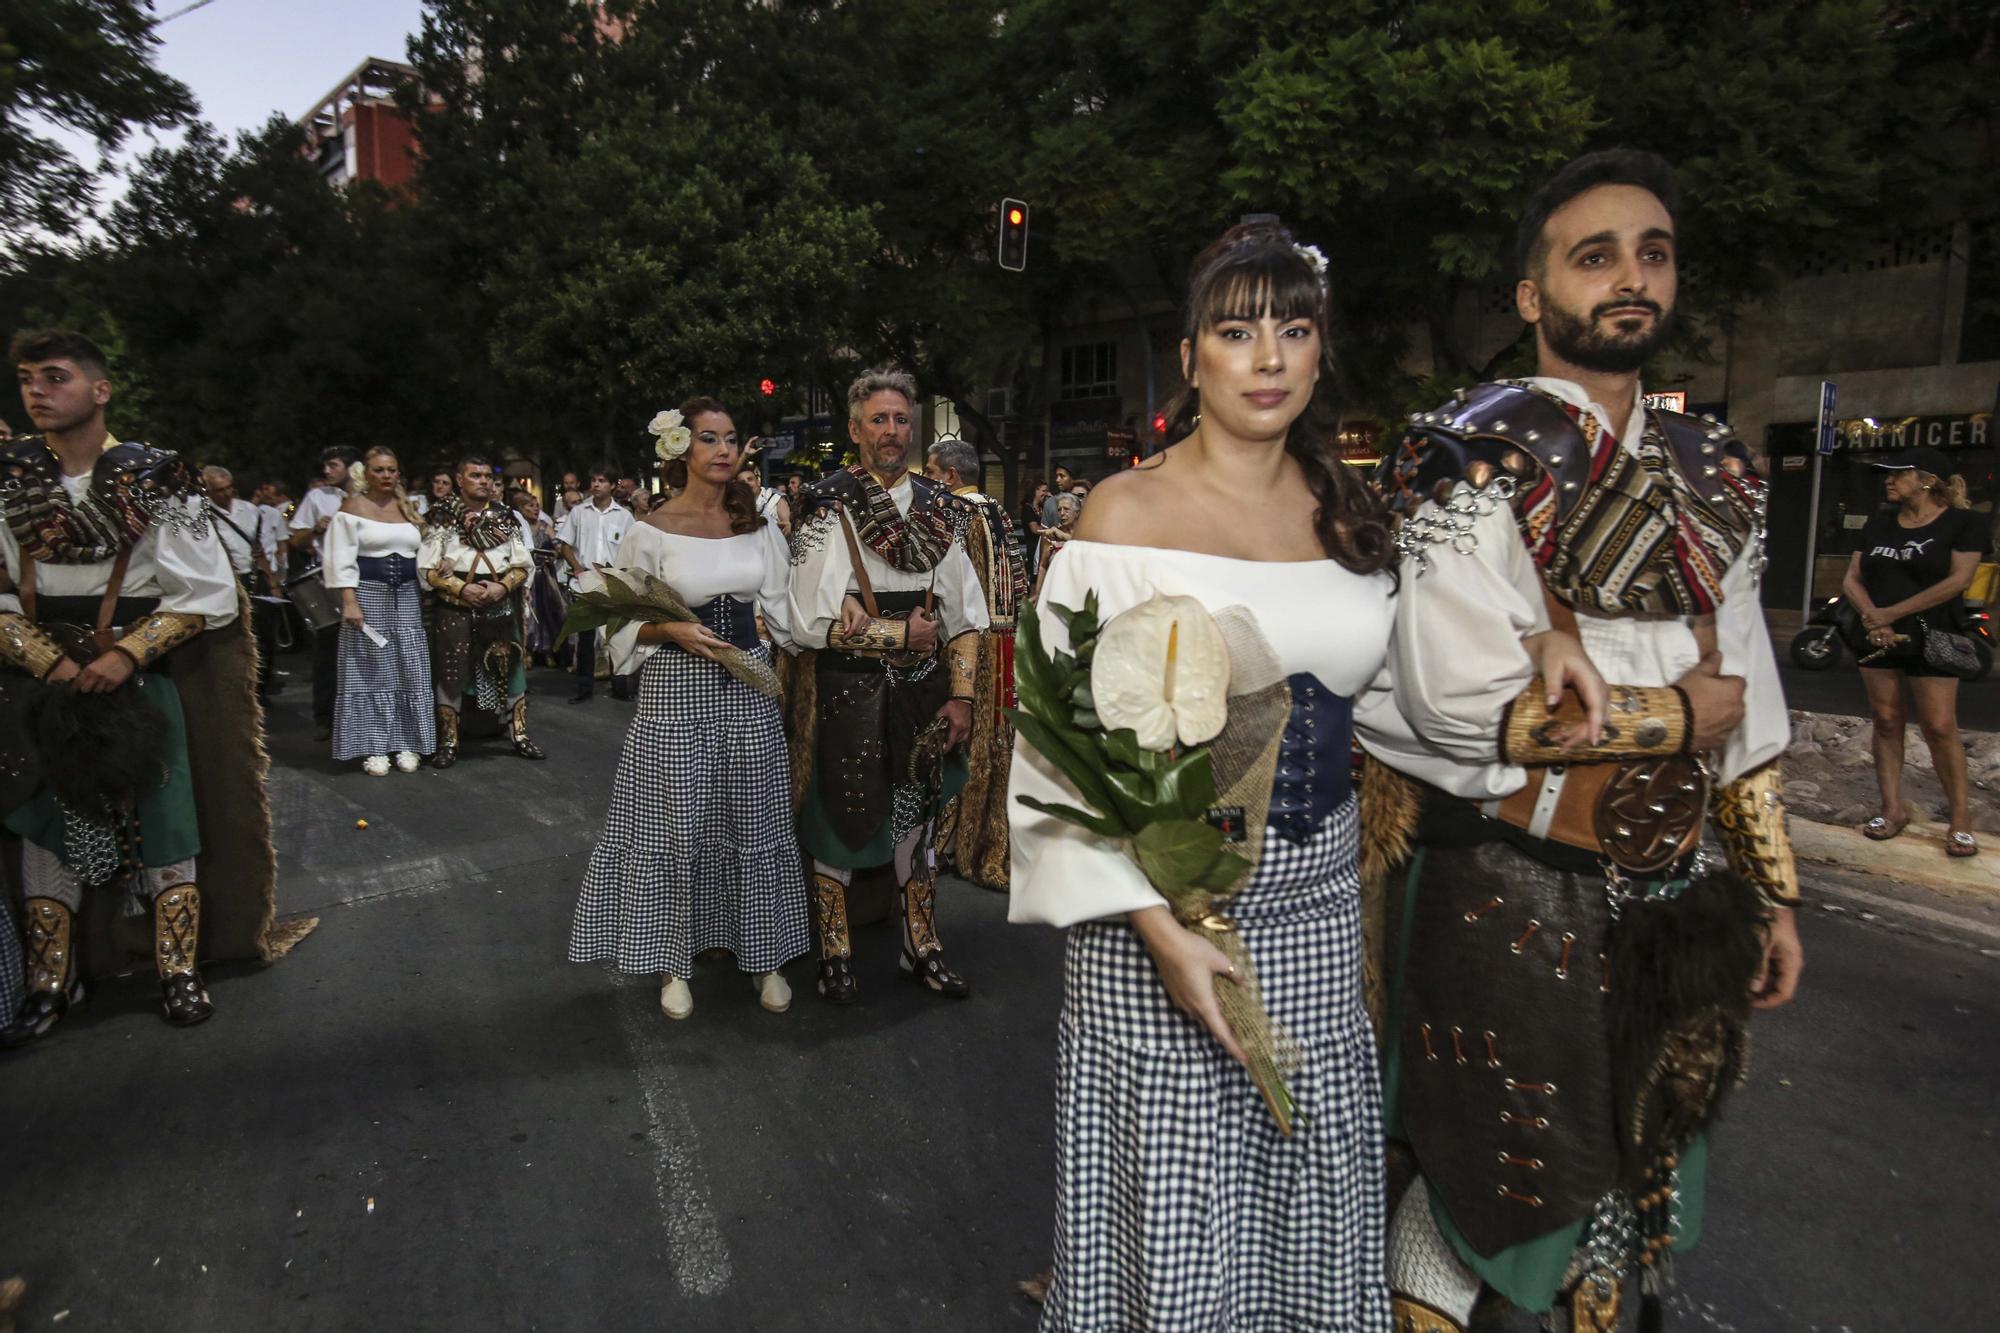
471, 460
1611, 166
608, 471
338, 453
38, 345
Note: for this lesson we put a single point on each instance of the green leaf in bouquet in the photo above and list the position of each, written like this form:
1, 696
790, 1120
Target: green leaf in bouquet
1188, 784
1222, 872
1138, 802
1174, 852
1122, 746
583, 617
1096, 823
1083, 769
1065, 615
1085, 719
1035, 680
1080, 695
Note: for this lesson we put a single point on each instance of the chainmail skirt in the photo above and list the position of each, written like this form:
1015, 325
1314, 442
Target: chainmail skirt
1179, 1205
384, 704
698, 850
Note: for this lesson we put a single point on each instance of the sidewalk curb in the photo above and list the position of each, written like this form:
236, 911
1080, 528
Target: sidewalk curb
1916, 857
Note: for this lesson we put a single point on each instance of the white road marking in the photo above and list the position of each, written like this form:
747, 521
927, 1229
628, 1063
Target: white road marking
680, 1185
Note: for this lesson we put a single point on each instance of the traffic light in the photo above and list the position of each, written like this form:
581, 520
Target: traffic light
768, 387
1013, 250
1160, 425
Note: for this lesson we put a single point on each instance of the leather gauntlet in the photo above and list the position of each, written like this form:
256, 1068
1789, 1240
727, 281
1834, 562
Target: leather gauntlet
961, 658
159, 633
877, 636
23, 644
513, 579
1750, 824
447, 582
1642, 722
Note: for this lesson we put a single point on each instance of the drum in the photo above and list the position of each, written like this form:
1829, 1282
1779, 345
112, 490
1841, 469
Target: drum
317, 606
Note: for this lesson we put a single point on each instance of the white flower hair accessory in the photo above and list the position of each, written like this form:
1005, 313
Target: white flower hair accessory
1314, 258
671, 437
357, 478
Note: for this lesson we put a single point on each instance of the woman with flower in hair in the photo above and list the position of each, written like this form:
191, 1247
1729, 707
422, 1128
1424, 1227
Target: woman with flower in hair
383, 704
1181, 1199
698, 851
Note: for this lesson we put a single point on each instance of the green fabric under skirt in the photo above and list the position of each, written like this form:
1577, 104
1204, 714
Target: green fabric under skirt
167, 829
1529, 1274
825, 846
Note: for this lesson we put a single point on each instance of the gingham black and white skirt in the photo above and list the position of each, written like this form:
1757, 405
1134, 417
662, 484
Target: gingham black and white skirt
1179, 1205
385, 703
698, 849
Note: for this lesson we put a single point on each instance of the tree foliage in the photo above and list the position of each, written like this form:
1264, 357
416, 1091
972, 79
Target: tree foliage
83, 65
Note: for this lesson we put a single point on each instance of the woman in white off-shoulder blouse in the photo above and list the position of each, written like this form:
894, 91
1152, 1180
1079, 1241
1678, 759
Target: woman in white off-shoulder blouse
1179, 1203
382, 706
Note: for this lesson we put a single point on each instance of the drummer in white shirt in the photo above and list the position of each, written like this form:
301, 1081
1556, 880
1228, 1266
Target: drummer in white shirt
309, 524
587, 537
240, 526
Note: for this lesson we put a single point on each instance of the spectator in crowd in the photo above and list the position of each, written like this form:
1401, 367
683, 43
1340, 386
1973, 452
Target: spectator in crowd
1031, 524
562, 502
770, 501
1068, 508
441, 487
310, 520
1907, 581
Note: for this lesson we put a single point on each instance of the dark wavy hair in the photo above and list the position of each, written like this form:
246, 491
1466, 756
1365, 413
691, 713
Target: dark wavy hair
1255, 270
738, 501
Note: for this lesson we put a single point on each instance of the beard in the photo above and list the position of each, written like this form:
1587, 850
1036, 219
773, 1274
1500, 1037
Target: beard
1579, 339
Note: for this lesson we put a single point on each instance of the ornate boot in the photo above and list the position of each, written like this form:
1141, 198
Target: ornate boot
836, 982
518, 729
923, 956
52, 983
447, 738
176, 942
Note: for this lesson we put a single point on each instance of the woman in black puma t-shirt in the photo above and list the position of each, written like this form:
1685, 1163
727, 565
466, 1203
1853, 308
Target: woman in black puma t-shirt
1917, 556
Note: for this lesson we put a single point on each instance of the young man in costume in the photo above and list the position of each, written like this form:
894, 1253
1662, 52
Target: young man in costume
131, 762
474, 561
883, 590
1580, 673
588, 537
973, 830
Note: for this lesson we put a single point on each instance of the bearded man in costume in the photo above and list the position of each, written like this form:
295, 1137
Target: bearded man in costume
884, 592
131, 760
475, 562
973, 830
1569, 982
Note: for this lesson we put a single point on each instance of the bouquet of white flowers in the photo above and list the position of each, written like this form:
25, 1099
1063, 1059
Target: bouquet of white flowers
612, 598
1167, 722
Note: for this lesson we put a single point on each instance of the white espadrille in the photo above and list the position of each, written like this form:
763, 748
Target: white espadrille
772, 992
676, 1000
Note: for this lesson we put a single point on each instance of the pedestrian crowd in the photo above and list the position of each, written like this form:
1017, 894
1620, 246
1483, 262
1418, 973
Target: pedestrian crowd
1397, 982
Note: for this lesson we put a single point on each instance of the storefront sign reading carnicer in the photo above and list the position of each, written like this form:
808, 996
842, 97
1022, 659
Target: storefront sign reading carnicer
1966, 431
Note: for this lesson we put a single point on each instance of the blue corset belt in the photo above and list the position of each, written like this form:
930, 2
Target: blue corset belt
1315, 760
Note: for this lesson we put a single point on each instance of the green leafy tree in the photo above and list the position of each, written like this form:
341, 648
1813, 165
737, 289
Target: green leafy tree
83, 65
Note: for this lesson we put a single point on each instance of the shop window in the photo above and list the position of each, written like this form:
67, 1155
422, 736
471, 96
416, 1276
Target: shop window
1089, 370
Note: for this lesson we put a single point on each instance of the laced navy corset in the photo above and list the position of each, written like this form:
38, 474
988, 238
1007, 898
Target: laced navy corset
393, 570
1315, 761
730, 619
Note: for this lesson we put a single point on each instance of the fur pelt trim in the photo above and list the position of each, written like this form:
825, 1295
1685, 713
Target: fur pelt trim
798, 678
1391, 807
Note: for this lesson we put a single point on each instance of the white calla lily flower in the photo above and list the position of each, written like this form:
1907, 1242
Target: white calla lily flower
1162, 669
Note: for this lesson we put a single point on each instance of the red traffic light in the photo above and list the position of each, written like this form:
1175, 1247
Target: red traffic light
768, 387
1014, 216
1159, 423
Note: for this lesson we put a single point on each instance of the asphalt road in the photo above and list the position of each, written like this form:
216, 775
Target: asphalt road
426, 1119
1838, 690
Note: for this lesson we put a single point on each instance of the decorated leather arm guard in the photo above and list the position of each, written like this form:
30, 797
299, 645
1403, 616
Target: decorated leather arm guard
447, 581
877, 636
158, 634
1641, 722
513, 579
961, 658
1750, 823
23, 644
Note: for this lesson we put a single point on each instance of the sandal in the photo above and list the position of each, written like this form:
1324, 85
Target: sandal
1961, 844
1880, 829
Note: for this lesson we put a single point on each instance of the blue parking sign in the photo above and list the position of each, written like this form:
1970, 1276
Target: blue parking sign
1828, 431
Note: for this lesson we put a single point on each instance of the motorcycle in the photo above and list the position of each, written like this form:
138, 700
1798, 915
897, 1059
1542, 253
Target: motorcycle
1828, 631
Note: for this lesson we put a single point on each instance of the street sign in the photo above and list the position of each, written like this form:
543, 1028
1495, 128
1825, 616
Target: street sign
1828, 432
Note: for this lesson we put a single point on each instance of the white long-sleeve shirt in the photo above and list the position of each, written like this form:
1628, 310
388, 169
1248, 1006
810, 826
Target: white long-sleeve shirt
824, 577
752, 567
1456, 658
351, 536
